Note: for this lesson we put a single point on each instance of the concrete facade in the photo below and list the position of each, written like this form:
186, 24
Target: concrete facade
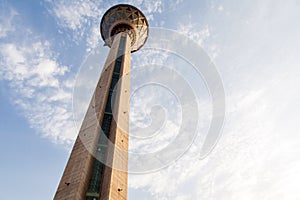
75, 179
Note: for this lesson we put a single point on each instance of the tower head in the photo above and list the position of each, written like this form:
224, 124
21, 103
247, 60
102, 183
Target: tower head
124, 18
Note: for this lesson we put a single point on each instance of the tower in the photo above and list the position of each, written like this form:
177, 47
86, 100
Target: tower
97, 167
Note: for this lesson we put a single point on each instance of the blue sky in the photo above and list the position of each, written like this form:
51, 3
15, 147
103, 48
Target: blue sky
255, 46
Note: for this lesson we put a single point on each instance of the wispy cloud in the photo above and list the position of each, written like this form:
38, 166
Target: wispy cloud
74, 15
257, 156
6, 21
40, 87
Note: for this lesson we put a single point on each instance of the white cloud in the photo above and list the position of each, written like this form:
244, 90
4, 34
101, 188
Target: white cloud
150, 7
93, 39
253, 159
194, 31
6, 21
75, 14
40, 88
201, 35
257, 156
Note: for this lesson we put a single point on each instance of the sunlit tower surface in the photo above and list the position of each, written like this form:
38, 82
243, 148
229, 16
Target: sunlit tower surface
103, 136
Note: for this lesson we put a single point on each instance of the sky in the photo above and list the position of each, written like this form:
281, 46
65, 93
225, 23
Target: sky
46, 85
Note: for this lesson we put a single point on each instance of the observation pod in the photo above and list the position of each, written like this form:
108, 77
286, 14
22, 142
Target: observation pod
124, 18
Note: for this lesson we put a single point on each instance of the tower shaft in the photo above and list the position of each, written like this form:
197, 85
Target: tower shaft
86, 177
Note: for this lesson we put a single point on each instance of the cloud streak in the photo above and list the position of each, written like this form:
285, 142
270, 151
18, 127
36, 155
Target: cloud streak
40, 88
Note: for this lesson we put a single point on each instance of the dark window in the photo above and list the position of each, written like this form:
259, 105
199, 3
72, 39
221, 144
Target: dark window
97, 171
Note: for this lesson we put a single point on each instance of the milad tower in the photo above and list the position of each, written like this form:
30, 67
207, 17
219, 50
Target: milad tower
97, 167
